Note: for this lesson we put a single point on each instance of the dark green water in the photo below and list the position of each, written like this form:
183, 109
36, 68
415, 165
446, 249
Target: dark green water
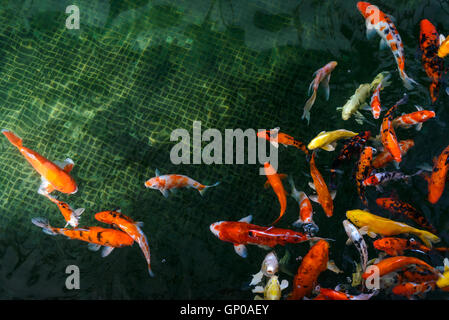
109, 94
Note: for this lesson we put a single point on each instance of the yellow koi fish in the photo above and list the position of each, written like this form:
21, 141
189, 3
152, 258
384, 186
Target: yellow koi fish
372, 225
327, 140
272, 290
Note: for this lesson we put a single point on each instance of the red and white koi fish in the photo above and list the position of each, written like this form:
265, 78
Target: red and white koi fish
376, 107
305, 210
382, 178
415, 118
321, 75
174, 181
377, 21
241, 233
54, 176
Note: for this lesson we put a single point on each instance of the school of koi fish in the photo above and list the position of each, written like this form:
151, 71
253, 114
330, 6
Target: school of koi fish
391, 271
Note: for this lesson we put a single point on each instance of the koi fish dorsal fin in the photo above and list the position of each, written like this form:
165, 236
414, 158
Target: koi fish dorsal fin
15, 140
247, 219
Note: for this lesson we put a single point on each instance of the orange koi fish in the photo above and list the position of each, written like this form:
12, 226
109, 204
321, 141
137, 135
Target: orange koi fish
305, 210
389, 265
411, 289
175, 181
429, 41
396, 246
443, 49
274, 180
241, 233
417, 274
314, 262
415, 118
385, 157
437, 180
377, 21
396, 206
131, 228
71, 216
388, 135
323, 196
321, 75
364, 169
96, 236
54, 176
275, 137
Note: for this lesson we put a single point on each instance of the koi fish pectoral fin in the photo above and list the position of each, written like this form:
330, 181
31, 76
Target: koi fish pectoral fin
164, 192
45, 187
66, 165
257, 278
106, 251
93, 247
240, 249
370, 30
383, 44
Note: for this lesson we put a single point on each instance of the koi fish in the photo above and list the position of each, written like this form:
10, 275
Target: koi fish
392, 264
272, 290
415, 118
382, 178
352, 147
417, 274
364, 169
131, 228
270, 266
437, 179
443, 280
330, 294
443, 49
397, 246
95, 236
241, 233
396, 206
305, 210
411, 289
275, 137
321, 75
327, 140
175, 181
372, 225
356, 238
54, 176
433, 64
274, 180
71, 216
323, 196
388, 135
377, 21
385, 157
313, 263
358, 99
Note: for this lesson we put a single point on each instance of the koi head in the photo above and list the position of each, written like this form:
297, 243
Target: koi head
427, 29
106, 216
371, 181
155, 183
264, 134
367, 9
270, 264
216, 228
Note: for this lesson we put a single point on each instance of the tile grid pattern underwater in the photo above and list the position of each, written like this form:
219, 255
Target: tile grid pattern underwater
109, 95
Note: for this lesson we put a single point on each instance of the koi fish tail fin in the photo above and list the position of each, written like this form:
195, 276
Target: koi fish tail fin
15, 140
409, 83
427, 237
203, 189
308, 106
43, 223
